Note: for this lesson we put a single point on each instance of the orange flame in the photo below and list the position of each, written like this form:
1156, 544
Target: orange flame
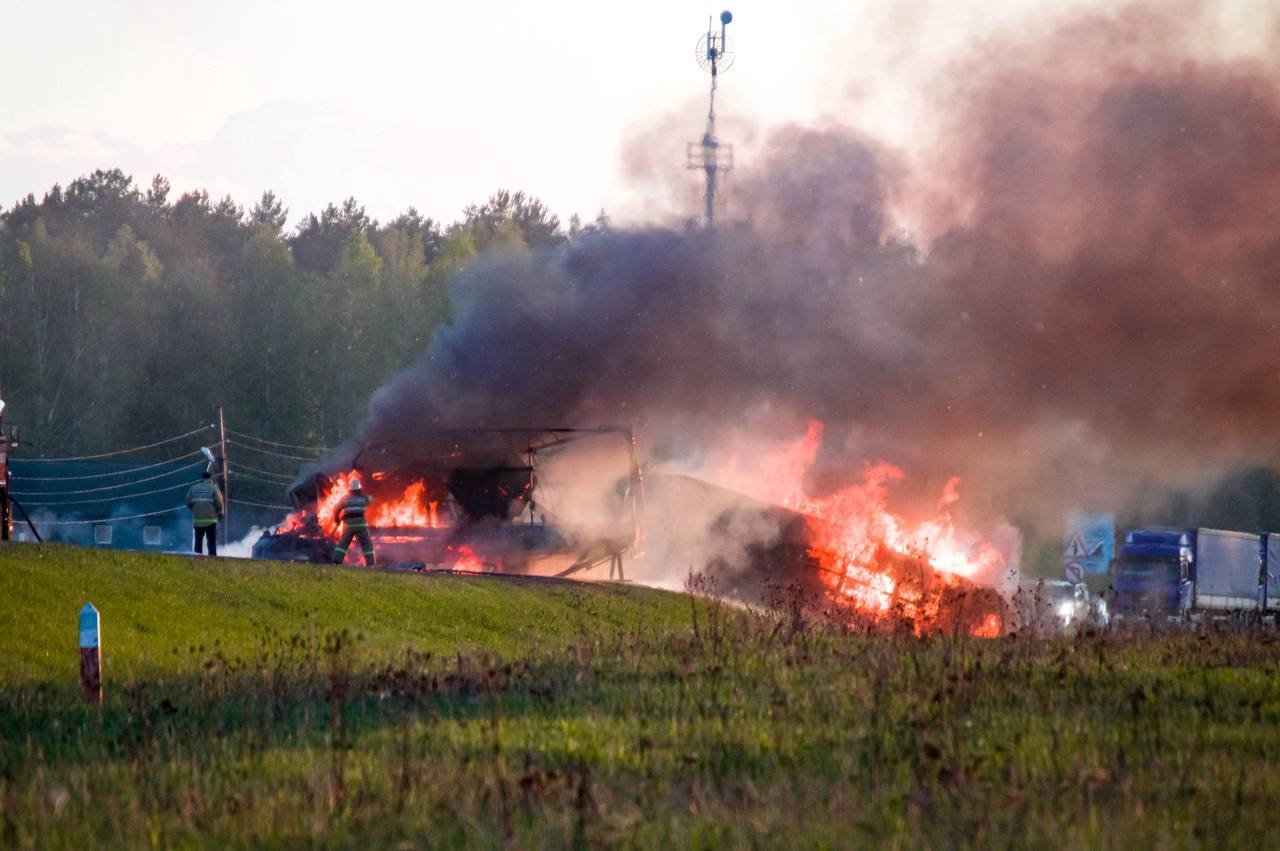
413, 508
870, 558
465, 558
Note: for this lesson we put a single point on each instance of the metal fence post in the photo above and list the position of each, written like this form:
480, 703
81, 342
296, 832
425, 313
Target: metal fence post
90, 655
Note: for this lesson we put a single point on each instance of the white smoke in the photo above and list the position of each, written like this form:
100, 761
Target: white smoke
242, 548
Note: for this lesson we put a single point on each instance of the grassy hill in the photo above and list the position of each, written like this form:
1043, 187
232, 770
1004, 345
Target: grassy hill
325, 708
164, 614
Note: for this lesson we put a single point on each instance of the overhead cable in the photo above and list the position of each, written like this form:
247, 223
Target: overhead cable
131, 449
16, 463
238, 501
104, 520
124, 497
278, 443
288, 477
249, 478
174, 471
271, 452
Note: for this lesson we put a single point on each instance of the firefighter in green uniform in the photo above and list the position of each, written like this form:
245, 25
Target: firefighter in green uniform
351, 513
205, 501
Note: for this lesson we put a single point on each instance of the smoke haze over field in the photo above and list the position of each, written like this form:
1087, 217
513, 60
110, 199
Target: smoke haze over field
1091, 289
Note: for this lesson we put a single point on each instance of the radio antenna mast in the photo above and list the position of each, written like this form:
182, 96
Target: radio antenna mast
709, 155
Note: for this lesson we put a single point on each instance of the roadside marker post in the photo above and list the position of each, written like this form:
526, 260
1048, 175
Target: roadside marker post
90, 655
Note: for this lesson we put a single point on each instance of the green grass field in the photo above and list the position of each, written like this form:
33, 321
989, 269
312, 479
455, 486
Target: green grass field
161, 615
257, 705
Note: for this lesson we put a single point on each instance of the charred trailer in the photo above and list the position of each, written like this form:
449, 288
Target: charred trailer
509, 500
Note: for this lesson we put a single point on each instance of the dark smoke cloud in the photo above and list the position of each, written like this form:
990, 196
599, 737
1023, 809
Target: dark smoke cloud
1095, 297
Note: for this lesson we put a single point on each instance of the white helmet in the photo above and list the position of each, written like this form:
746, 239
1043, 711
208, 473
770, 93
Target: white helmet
355, 485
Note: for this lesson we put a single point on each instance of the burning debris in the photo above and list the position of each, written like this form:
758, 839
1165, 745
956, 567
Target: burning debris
845, 551
474, 499
879, 565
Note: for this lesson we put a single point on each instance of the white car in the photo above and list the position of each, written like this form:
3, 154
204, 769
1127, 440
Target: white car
1058, 607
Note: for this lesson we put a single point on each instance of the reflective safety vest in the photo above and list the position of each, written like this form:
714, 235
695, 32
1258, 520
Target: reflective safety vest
351, 511
205, 501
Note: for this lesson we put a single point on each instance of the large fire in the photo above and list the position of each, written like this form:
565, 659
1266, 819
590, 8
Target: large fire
873, 562
413, 508
870, 558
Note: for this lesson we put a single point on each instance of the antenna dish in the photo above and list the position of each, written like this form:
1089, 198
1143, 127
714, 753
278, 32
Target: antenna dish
723, 52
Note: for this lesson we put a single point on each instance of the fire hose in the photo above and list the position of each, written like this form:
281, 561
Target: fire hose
26, 517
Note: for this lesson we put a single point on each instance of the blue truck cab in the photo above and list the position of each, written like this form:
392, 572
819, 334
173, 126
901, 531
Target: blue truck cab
1153, 572
1189, 573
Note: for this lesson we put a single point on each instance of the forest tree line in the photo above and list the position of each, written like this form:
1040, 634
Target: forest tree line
126, 315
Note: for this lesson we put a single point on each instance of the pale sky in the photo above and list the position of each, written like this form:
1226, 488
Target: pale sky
435, 104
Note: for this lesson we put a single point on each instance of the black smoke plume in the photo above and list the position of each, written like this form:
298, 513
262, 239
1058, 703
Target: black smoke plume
1093, 299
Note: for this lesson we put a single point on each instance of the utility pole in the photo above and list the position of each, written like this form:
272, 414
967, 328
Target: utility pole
6, 511
226, 485
709, 155
8, 443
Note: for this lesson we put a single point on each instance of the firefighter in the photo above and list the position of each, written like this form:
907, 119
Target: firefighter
351, 514
205, 501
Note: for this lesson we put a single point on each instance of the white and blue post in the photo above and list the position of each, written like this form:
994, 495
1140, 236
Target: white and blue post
90, 655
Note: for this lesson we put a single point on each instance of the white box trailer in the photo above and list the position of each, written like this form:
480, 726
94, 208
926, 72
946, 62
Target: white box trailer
1228, 571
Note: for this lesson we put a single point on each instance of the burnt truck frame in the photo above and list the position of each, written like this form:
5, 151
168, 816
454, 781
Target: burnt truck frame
491, 479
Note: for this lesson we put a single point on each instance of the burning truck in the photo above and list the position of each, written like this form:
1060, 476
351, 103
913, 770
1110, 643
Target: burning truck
540, 501
568, 502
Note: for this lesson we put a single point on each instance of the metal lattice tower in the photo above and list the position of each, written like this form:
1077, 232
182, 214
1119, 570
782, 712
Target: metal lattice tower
709, 155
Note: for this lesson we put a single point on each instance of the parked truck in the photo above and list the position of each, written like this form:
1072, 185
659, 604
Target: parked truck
1189, 574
